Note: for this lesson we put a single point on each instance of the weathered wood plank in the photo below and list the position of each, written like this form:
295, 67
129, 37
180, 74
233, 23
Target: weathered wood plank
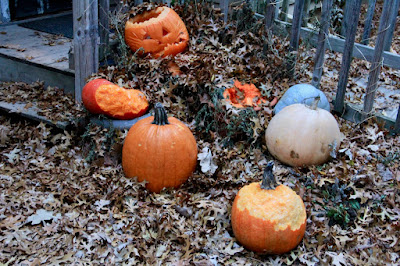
346, 17
86, 39
15, 69
225, 9
397, 123
377, 59
41, 48
104, 29
353, 12
31, 113
295, 34
269, 14
392, 25
306, 11
321, 46
4, 11
368, 22
283, 16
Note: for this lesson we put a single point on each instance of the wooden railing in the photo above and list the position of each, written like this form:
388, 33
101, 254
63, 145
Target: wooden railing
378, 56
86, 39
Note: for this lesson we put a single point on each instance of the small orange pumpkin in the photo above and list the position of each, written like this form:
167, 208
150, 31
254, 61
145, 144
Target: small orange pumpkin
160, 150
243, 95
160, 32
268, 219
100, 96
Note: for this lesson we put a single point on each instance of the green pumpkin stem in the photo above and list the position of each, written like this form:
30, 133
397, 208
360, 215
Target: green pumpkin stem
160, 115
314, 105
268, 181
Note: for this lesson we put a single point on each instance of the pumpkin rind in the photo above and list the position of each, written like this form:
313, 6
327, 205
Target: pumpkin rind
163, 155
268, 221
302, 93
249, 96
160, 32
89, 92
301, 136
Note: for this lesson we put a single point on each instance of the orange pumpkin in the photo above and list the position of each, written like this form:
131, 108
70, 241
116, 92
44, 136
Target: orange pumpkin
88, 95
160, 150
268, 219
160, 32
103, 97
243, 95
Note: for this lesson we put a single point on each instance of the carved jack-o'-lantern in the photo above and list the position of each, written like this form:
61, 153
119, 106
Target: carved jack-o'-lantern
160, 32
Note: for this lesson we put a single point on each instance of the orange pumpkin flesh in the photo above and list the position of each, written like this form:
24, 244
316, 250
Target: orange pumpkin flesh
88, 95
160, 150
121, 103
271, 221
241, 96
160, 32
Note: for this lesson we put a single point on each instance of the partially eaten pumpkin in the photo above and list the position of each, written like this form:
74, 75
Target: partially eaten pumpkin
159, 32
267, 218
243, 95
100, 96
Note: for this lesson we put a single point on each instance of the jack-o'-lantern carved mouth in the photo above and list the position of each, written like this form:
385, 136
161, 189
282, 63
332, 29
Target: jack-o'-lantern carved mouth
159, 32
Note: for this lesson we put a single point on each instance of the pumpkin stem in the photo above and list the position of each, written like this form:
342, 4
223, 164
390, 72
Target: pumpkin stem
314, 105
268, 181
160, 115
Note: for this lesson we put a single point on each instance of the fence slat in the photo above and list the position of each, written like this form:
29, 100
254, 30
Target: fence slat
397, 124
104, 8
376, 63
346, 17
322, 37
368, 22
225, 9
86, 39
392, 20
306, 10
269, 14
284, 10
295, 36
354, 7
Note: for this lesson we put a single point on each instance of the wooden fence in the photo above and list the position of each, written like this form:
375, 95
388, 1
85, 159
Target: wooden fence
275, 15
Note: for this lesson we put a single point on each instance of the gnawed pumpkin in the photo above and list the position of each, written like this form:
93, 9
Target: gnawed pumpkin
160, 32
243, 95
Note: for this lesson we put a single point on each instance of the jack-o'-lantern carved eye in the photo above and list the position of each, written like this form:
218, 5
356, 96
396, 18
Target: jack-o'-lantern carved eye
159, 32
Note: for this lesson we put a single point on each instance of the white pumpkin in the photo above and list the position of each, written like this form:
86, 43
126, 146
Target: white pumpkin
300, 135
302, 93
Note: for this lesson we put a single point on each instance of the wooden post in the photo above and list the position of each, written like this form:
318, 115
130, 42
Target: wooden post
354, 12
322, 37
368, 22
295, 35
376, 63
4, 11
284, 10
225, 9
269, 14
392, 20
104, 8
86, 41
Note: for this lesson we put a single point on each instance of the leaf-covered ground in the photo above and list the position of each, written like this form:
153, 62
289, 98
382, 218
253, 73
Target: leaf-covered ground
64, 197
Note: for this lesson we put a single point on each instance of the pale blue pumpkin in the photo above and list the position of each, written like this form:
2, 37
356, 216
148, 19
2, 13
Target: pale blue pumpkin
302, 93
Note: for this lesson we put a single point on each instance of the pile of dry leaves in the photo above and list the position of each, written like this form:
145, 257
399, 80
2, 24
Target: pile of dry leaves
64, 197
